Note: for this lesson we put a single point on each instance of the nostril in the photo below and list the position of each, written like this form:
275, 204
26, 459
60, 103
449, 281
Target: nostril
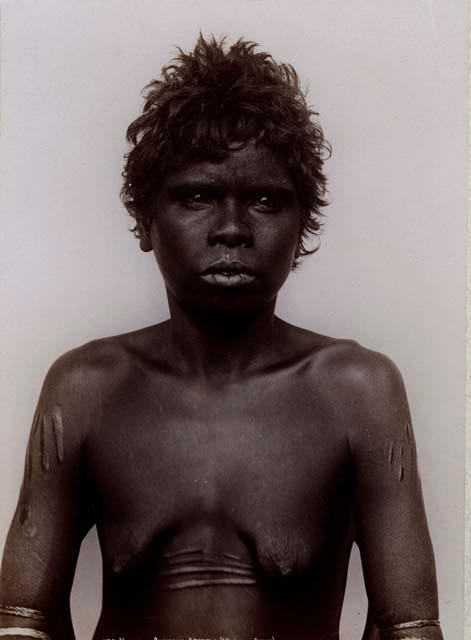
230, 233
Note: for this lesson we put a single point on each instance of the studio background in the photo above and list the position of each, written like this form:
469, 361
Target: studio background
389, 81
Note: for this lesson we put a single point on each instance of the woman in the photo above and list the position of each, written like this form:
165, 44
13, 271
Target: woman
228, 459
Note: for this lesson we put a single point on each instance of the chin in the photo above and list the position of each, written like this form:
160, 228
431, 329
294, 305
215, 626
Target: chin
231, 303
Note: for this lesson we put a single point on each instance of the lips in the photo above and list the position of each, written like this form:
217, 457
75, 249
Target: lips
228, 273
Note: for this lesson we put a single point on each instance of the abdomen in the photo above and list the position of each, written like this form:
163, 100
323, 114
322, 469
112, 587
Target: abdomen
191, 593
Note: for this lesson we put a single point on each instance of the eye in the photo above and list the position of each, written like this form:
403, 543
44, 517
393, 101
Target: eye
266, 203
196, 200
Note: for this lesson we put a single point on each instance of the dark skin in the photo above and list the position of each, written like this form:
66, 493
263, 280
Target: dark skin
228, 459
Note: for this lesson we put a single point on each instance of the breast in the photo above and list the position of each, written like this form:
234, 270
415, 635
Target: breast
272, 492
215, 551
285, 553
279, 533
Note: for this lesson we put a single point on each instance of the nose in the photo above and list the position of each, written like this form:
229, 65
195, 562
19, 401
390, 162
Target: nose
230, 226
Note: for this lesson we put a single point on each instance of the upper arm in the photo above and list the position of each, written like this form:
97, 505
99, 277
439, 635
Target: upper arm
53, 514
391, 525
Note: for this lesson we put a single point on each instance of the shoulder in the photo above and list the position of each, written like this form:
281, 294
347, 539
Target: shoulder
360, 388
83, 380
103, 363
369, 393
358, 370
87, 367
343, 365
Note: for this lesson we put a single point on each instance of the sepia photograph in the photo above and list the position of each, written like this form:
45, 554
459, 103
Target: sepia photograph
234, 329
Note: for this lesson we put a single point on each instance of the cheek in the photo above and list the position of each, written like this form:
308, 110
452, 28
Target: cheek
166, 249
177, 251
285, 242
168, 240
281, 256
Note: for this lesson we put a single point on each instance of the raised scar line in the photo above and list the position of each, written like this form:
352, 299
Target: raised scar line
24, 514
27, 525
58, 431
43, 447
401, 470
408, 430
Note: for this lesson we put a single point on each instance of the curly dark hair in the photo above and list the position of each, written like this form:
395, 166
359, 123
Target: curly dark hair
212, 99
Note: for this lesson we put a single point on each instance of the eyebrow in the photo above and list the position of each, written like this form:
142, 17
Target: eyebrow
207, 184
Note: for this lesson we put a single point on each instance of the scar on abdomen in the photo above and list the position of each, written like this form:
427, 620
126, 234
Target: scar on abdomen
408, 431
391, 453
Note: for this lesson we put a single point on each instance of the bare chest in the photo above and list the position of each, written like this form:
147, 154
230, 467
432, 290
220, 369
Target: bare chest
262, 477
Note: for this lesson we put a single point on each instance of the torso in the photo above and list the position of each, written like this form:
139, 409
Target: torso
222, 510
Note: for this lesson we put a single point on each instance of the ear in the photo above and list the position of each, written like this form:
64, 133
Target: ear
145, 241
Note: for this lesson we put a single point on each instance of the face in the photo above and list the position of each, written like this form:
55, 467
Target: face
225, 234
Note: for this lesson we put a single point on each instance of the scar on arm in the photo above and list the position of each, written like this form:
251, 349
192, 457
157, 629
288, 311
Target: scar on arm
399, 452
47, 434
27, 525
408, 434
58, 431
43, 445
52, 437
395, 456
392, 455
401, 468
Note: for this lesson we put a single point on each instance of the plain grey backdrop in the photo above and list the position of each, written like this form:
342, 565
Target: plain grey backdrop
389, 80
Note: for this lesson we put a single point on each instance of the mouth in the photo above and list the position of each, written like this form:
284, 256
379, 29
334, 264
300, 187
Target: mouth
228, 274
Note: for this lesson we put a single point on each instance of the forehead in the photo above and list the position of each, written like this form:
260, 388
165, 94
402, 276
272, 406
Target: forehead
248, 167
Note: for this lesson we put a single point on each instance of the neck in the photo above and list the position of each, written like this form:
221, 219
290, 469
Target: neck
222, 345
